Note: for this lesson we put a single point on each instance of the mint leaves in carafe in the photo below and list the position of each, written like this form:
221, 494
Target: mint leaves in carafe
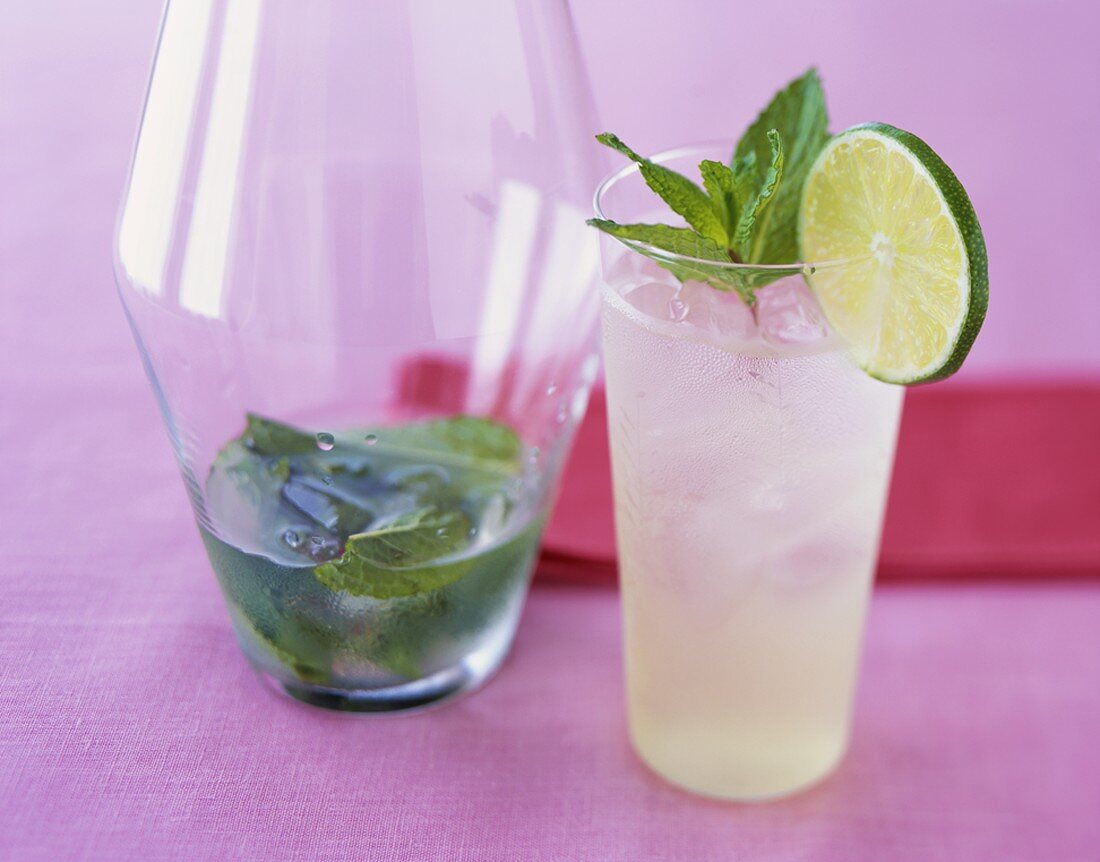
352, 556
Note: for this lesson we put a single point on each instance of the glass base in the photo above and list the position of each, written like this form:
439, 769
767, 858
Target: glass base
747, 787
468, 675
750, 797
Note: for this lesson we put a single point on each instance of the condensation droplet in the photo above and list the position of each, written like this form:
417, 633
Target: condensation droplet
292, 539
325, 441
371, 439
552, 388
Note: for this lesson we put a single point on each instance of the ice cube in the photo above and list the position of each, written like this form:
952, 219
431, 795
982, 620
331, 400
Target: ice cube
722, 315
717, 315
788, 313
652, 298
323, 506
631, 268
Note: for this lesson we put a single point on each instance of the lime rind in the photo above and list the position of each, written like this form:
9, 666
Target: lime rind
974, 285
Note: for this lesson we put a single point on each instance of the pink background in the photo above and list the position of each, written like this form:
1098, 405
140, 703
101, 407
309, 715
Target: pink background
132, 728
1007, 91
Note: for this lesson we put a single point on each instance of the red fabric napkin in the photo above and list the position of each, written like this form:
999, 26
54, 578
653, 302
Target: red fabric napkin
1000, 480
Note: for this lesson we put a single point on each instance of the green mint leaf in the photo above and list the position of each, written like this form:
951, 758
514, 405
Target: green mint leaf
798, 114
473, 440
681, 241
396, 558
399, 653
268, 437
645, 238
403, 639
744, 179
752, 226
468, 441
681, 194
678, 240
718, 182
253, 588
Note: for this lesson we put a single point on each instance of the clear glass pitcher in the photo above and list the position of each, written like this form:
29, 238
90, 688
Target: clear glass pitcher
352, 249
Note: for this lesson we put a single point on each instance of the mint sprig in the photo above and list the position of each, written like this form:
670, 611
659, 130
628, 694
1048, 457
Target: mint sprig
745, 212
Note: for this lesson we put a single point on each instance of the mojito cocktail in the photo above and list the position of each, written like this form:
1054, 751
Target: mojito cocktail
753, 405
751, 463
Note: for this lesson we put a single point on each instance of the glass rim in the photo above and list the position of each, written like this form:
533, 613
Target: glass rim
611, 180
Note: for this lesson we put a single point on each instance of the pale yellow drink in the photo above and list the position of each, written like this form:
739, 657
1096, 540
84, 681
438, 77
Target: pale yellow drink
751, 462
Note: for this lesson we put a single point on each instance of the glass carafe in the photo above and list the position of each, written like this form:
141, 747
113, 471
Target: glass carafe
352, 249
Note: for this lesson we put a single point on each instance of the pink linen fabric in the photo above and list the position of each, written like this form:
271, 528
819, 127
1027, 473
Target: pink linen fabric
133, 730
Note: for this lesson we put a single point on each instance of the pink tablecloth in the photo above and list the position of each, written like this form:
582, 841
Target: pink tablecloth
133, 730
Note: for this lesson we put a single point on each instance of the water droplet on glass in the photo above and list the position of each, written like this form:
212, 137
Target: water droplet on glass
534, 456
552, 388
325, 441
292, 539
562, 414
442, 531
327, 480
371, 439
316, 540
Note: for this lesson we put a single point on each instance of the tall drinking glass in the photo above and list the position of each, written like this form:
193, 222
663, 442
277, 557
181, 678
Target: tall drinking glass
751, 459
353, 253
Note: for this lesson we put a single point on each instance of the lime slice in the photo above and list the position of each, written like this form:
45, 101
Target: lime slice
911, 291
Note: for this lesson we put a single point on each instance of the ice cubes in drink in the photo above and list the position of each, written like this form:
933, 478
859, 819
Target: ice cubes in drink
718, 316
788, 313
